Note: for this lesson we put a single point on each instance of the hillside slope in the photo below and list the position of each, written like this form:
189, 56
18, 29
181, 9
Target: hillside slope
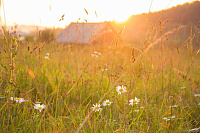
138, 26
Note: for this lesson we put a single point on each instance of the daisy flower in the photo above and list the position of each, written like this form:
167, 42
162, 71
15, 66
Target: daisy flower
47, 58
104, 69
97, 53
94, 55
106, 102
134, 101
197, 95
96, 107
182, 88
18, 100
121, 89
174, 106
39, 107
194, 130
168, 118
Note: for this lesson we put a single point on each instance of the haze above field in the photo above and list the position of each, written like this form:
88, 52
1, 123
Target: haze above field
49, 12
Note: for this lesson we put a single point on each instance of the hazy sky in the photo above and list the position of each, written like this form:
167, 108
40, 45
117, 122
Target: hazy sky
49, 12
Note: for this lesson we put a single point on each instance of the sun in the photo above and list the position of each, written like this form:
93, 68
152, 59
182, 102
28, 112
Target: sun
121, 19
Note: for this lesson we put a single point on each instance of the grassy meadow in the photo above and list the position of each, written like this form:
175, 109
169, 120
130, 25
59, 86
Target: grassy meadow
70, 80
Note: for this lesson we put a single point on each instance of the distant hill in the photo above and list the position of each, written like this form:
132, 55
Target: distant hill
24, 28
138, 25
184, 14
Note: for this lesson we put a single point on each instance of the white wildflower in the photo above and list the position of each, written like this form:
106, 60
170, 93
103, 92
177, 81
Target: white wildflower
194, 130
121, 89
95, 56
134, 101
197, 95
47, 58
18, 100
104, 69
106, 102
39, 107
182, 88
169, 118
96, 107
174, 106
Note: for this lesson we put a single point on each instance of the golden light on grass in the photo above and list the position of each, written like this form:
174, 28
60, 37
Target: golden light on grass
75, 82
30, 72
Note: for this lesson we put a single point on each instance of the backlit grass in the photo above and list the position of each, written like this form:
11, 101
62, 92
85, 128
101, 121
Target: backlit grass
71, 81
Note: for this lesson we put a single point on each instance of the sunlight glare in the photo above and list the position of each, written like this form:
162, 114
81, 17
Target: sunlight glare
48, 12
121, 19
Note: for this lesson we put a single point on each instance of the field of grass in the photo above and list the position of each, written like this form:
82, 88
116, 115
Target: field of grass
70, 79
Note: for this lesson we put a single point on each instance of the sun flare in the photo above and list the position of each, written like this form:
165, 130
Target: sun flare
49, 12
121, 19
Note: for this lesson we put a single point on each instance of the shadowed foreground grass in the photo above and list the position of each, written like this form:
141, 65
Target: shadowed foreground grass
71, 79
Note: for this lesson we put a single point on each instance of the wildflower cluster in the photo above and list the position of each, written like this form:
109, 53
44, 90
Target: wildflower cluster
105, 68
20, 100
47, 56
168, 118
95, 54
120, 89
97, 106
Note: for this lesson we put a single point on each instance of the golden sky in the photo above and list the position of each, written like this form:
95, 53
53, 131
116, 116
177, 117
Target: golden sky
49, 12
